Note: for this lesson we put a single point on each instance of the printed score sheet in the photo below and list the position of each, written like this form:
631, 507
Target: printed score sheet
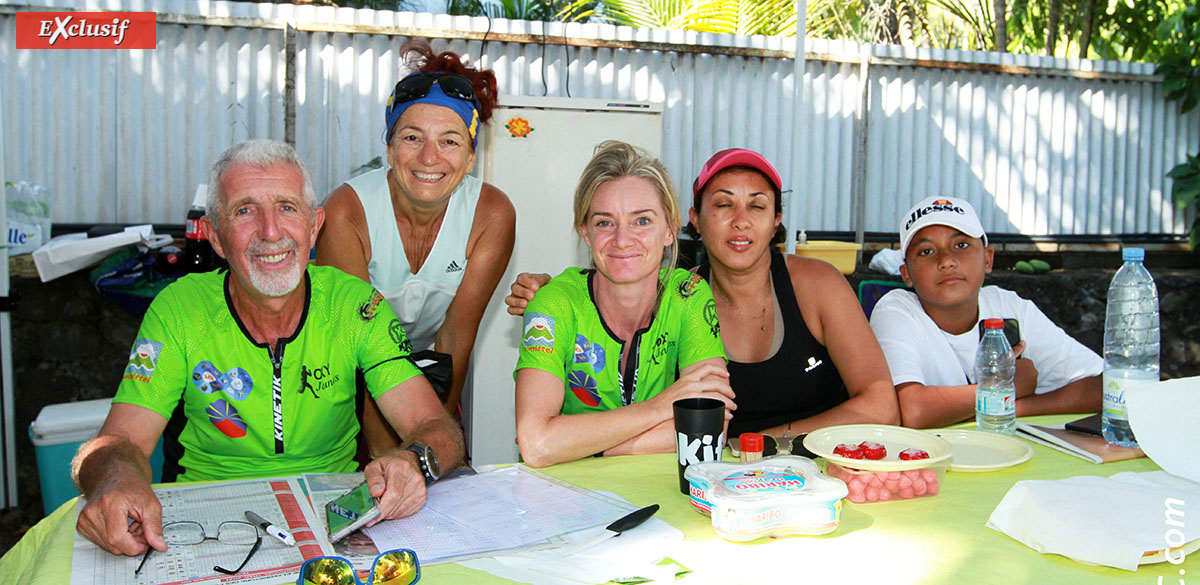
279, 500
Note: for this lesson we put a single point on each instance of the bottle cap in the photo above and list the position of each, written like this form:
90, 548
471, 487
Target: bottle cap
993, 323
751, 442
1133, 254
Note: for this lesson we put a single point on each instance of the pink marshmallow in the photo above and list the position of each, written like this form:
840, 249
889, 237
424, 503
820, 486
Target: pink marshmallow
907, 492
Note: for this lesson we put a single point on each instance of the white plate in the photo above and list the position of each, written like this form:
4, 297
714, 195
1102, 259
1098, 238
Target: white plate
895, 439
980, 451
1176, 553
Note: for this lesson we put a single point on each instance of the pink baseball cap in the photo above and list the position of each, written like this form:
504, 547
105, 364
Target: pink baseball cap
735, 157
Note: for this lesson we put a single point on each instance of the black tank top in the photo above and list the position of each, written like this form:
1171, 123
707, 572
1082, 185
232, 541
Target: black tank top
799, 381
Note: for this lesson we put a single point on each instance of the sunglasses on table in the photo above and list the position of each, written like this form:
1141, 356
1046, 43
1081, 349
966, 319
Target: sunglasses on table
417, 86
230, 532
395, 567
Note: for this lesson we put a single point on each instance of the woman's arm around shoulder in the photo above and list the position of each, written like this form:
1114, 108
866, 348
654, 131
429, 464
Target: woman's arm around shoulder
489, 248
343, 242
836, 320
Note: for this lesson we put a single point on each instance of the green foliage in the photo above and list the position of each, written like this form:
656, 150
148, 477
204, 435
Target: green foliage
537, 10
1185, 190
1179, 35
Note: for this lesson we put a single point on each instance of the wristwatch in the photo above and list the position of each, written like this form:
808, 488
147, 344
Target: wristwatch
427, 460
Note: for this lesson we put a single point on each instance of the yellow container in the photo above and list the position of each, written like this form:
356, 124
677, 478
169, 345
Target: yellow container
842, 255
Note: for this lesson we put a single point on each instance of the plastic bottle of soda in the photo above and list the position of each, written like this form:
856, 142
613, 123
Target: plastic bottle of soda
1131, 339
995, 391
197, 251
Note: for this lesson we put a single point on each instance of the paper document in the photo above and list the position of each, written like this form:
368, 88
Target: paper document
509, 509
275, 499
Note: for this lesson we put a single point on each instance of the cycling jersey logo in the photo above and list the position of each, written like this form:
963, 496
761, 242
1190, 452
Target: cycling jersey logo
226, 418
710, 317
366, 311
539, 332
589, 353
659, 350
396, 332
236, 383
687, 288
314, 379
584, 387
142, 360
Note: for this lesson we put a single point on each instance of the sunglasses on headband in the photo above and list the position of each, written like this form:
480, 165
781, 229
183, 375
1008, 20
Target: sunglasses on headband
417, 85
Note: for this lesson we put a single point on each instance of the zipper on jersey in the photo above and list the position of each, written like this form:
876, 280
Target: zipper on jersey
277, 395
629, 379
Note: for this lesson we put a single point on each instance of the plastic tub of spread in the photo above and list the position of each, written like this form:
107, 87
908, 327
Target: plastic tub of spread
774, 496
881, 463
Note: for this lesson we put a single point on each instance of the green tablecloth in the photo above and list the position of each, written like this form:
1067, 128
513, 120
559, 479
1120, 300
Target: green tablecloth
940, 539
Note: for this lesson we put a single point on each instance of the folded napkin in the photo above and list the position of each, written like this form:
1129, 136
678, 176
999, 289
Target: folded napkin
1110, 521
1163, 416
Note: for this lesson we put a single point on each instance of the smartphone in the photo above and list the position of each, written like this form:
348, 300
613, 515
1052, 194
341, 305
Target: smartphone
350, 511
1012, 331
1089, 425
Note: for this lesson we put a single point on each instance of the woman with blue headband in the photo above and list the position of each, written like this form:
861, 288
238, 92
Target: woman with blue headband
431, 238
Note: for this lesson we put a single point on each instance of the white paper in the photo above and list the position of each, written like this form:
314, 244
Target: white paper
278, 500
1109, 521
1165, 417
635, 553
480, 515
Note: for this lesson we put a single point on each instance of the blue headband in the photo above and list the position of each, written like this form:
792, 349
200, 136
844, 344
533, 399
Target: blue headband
465, 110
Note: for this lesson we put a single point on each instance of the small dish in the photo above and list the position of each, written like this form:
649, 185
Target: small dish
895, 439
978, 451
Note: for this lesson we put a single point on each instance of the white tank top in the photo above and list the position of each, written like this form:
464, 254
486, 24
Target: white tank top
419, 300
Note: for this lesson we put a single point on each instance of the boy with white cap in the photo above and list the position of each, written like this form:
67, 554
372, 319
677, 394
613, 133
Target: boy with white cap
929, 334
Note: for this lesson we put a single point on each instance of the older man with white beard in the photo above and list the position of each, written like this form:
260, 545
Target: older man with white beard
251, 371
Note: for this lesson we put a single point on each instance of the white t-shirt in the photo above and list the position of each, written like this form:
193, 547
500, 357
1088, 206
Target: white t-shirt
918, 351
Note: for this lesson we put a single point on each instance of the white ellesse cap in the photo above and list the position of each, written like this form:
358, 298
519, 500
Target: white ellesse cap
947, 211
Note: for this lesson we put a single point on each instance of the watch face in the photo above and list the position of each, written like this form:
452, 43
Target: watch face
427, 458
431, 460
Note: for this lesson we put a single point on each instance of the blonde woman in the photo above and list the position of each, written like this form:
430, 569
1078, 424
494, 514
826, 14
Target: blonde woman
601, 347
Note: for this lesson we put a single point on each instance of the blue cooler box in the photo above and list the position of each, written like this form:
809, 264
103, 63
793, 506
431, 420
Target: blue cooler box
57, 433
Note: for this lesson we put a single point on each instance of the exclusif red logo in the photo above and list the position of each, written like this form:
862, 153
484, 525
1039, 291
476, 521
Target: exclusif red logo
86, 30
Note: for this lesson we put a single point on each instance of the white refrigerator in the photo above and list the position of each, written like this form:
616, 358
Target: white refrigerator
534, 150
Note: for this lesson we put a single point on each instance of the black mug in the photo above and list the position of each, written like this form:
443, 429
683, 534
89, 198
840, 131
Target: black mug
699, 433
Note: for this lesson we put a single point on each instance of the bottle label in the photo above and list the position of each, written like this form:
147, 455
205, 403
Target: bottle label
1115, 387
995, 403
192, 230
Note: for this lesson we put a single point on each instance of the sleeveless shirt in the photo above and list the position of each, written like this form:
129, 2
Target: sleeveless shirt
798, 381
419, 300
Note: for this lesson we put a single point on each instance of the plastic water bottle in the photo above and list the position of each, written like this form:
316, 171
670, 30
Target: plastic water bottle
1130, 343
995, 391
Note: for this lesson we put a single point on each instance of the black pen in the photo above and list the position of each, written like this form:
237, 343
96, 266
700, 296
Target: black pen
284, 536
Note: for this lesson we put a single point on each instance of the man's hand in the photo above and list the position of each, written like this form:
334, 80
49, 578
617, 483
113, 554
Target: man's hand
523, 289
397, 482
123, 517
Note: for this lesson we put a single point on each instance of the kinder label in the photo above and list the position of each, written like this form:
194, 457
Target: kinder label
86, 30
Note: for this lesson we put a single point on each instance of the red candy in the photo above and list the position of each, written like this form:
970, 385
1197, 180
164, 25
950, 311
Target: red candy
848, 451
910, 454
870, 450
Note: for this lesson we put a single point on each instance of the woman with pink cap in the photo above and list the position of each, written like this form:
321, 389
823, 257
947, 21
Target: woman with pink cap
801, 353
430, 237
